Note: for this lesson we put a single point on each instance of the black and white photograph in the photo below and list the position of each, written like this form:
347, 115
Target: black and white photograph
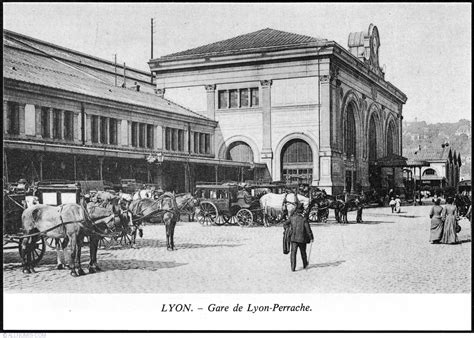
237, 167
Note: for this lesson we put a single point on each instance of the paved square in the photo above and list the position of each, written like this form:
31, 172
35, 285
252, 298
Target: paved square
388, 253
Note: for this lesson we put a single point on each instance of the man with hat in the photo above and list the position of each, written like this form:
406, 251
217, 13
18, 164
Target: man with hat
300, 235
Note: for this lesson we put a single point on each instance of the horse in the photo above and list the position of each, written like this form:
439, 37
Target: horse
280, 206
325, 202
171, 205
69, 221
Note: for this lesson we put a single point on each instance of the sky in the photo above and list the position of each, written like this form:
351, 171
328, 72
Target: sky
425, 48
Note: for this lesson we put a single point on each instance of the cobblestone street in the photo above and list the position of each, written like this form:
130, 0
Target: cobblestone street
388, 253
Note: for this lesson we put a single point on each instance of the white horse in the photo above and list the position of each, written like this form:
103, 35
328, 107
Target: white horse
276, 205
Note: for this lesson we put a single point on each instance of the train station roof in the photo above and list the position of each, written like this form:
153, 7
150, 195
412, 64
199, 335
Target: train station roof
262, 39
35, 62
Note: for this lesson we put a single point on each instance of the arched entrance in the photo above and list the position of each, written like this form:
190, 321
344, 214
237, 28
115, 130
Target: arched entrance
375, 171
350, 148
239, 151
297, 162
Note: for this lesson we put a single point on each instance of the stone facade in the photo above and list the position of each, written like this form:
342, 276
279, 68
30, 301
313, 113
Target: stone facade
309, 92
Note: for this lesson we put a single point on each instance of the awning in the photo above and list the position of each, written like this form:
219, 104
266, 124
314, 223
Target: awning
392, 161
465, 183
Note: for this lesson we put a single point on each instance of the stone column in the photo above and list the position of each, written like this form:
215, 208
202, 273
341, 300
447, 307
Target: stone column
30, 120
158, 137
76, 127
130, 133
21, 118
88, 129
41, 157
106, 130
330, 168
211, 101
38, 128
267, 153
51, 120
61, 124
123, 140
6, 117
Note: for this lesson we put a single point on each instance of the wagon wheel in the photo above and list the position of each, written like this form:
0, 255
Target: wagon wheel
125, 238
39, 249
313, 214
232, 220
51, 242
220, 220
207, 213
106, 242
244, 217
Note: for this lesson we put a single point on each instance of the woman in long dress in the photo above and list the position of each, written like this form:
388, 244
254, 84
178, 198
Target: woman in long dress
450, 217
436, 222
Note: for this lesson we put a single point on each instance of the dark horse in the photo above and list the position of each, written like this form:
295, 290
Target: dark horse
69, 221
462, 202
169, 206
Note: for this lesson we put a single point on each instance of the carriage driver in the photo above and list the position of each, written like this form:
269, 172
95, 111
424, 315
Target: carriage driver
300, 235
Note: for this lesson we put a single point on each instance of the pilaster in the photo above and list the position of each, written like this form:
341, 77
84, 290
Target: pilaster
21, 118
211, 101
267, 153
38, 122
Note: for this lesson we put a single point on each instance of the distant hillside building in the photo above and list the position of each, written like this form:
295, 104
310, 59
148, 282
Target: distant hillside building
443, 170
308, 109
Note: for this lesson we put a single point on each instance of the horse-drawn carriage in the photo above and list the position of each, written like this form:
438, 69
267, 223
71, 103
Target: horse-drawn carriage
226, 204
13, 206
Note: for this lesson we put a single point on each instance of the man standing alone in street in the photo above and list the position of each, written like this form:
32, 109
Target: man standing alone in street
301, 234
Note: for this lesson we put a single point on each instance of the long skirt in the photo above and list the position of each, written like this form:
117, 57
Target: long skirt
449, 231
436, 229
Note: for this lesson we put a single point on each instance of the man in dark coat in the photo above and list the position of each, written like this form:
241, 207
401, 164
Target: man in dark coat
301, 234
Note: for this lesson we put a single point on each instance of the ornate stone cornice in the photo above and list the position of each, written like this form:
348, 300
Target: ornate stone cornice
210, 87
266, 83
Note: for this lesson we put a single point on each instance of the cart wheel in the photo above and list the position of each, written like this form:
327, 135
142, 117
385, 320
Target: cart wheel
220, 220
313, 214
125, 238
106, 242
207, 213
232, 220
51, 242
244, 217
38, 250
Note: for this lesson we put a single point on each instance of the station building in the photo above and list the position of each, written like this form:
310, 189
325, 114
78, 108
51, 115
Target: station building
69, 115
308, 109
442, 168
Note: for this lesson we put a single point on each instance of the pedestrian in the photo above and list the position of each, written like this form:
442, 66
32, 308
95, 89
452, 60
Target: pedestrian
360, 206
300, 235
398, 203
392, 204
450, 219
436, 222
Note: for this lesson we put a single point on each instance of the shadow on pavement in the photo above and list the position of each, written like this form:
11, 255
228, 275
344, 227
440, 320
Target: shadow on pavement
325, 265
374, 222
134, 264
153, 243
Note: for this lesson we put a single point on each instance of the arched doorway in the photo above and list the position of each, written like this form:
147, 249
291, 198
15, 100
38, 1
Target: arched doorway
375, 172
239, 151
297, 162
350, 148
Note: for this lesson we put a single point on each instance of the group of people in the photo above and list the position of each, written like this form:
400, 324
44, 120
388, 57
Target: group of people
395, 203
444, 222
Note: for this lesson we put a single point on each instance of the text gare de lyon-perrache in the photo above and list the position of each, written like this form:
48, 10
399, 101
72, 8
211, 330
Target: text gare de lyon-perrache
236, 308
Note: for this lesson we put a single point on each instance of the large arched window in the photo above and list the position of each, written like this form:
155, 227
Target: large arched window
391, 138
297, 162
350, 132
239, 151
372, 139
